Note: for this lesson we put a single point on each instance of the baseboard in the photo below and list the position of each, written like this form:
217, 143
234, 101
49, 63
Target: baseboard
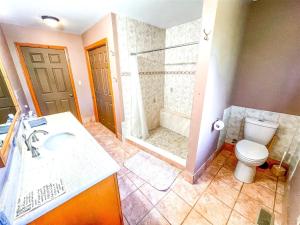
192, 178
188, 176
205, 165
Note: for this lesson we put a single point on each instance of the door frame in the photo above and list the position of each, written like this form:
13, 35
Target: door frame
28, 79
97, 44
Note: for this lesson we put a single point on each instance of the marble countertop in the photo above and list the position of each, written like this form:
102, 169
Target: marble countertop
80, 165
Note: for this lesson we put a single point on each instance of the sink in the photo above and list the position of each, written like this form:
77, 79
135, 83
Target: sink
60, 141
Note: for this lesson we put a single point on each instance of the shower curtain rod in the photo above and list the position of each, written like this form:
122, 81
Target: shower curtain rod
161, 49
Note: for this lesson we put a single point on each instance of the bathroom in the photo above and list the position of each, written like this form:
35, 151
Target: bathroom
182, 116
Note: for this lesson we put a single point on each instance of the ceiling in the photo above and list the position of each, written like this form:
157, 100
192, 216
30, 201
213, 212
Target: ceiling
78, 15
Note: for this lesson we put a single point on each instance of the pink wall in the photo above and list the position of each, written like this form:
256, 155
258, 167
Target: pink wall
14, 33
10, 69
268, 76
215, 75
106, 28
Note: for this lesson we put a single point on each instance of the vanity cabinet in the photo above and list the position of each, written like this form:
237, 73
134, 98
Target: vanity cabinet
98, 205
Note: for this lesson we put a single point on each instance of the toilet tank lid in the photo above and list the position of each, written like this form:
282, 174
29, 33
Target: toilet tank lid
261, 122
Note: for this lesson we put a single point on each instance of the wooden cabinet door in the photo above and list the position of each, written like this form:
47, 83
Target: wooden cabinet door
98, 205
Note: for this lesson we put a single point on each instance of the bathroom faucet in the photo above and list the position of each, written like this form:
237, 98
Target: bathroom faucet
33, 138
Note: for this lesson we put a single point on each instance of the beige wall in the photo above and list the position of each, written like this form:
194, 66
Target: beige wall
14, 33
268, 72
215, 74
10, 69
106, 28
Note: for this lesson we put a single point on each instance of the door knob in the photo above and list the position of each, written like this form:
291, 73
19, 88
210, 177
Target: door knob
71, 95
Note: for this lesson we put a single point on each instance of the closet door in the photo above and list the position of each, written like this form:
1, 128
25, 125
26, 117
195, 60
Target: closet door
102, 86
50, 79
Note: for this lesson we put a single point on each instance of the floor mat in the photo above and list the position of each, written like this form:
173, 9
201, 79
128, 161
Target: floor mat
156, 172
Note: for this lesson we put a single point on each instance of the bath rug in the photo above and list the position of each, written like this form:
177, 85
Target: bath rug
156, 172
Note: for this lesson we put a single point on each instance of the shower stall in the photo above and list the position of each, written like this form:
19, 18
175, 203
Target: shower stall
158, 73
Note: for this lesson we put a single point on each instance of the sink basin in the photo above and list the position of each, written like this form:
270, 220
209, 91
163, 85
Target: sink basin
63, 140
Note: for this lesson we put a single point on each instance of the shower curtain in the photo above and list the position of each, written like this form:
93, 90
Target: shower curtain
138, 123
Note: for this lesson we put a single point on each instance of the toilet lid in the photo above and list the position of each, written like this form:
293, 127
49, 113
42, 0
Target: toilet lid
252, 150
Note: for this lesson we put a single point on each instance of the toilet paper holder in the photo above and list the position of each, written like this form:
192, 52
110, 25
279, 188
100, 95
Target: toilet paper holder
218, 125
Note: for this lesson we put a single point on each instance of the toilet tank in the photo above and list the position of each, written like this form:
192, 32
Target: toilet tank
260, 131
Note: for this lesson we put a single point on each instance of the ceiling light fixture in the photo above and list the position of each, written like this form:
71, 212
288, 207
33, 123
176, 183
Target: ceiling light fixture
51, 21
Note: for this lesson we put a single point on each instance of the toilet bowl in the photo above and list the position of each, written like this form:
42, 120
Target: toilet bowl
250, 155
251, 151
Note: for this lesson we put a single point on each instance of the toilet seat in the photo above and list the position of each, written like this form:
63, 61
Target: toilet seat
250, 162
251, 152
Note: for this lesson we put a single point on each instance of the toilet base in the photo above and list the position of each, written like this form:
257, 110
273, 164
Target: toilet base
264, 166
244, 172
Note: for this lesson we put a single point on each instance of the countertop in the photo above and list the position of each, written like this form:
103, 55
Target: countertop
79, 166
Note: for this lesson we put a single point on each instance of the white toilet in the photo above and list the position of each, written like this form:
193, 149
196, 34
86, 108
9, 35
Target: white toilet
251, 151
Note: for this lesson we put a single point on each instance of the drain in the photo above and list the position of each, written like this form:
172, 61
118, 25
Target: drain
265, 218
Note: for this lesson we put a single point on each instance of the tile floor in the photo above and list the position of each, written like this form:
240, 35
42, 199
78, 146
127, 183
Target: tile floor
169, 140
216, 198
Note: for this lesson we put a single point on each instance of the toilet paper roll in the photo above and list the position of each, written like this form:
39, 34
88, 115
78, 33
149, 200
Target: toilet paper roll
219, 125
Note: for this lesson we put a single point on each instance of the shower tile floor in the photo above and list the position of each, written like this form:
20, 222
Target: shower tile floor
216, 197
169, 140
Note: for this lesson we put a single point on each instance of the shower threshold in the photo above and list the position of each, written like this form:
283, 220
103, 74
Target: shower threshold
158, 152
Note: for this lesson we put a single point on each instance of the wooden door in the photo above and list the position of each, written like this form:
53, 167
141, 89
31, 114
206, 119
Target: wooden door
6, 104
102, 86
50, 78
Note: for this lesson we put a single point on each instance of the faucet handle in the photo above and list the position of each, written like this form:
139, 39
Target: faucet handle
26, 141
34, 138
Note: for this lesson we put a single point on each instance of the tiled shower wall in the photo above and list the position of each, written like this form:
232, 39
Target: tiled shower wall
151, 67
163, 86
288, 133
180, 67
